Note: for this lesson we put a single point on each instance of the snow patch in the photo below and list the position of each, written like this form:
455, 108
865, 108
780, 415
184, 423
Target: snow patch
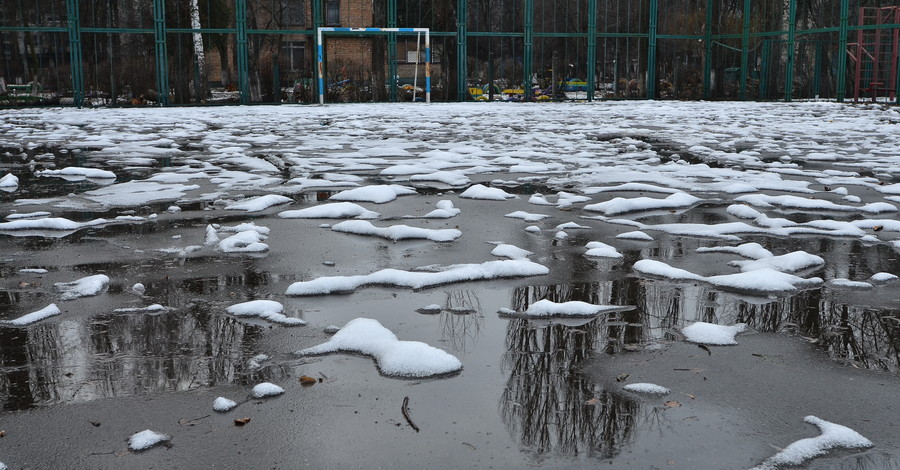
648, 388
336, 210
84, 287
394, 357
33, 317
269, 310
266, 389
710, 333
396, 232
832, 436
146, 439
222, 404
417, 279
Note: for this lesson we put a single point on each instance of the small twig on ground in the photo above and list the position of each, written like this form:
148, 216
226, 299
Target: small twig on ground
405, 411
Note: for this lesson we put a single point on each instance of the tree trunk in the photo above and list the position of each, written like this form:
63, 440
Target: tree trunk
200, 78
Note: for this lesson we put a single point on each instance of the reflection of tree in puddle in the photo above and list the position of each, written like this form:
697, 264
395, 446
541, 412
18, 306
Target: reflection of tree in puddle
121, 355
867, 336
864, 336
547, 402
461, 319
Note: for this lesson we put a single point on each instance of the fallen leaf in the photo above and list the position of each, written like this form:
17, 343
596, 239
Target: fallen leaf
592, 401
877, 228
621, 377
672, 404
95, 423
705, 348
691, 396
241, 421
307, 380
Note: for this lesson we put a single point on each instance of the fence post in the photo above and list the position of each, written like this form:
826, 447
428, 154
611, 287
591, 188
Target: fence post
591, 49
318, 73
792, 34
392, 51
745, 51
707, 43
528, 50
243, 69
461, 47
162, 58
842, 51
75, 53
651, 50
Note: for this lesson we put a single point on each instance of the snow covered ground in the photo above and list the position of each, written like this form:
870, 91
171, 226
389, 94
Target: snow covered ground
598, 227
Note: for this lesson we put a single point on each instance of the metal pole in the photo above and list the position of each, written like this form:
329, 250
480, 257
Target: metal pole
427, 67
792, 34
651, 49
75, 53
859, 51
707, 42
243, 69
528, 51
764, 72
817, 70
745, 51
461, 50
317, 23
842, 51
392, 50
162, 61
896, 53
591, 49
320, 59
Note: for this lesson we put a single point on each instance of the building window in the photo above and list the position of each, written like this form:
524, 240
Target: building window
293, 55
332, 13
293, 13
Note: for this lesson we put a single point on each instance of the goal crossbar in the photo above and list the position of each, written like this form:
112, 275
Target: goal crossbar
320, 52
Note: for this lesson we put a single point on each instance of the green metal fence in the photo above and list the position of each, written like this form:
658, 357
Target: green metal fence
182, 52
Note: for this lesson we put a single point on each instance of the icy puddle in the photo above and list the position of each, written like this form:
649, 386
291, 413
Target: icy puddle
608, 294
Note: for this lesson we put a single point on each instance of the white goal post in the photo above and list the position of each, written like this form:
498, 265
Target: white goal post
320, 53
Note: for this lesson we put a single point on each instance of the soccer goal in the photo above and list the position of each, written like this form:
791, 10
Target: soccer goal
320, 53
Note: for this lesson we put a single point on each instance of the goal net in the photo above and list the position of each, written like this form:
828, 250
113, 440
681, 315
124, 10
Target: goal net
320, 52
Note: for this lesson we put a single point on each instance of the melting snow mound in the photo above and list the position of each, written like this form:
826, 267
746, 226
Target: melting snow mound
572, 308
33, 317
223, 404
833, 436
266, 309
336, 210
394, 357
146, 439
709, 333
259, 203
266, 389
396, 232
480, 191
416, 279
651, 389
84, 287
